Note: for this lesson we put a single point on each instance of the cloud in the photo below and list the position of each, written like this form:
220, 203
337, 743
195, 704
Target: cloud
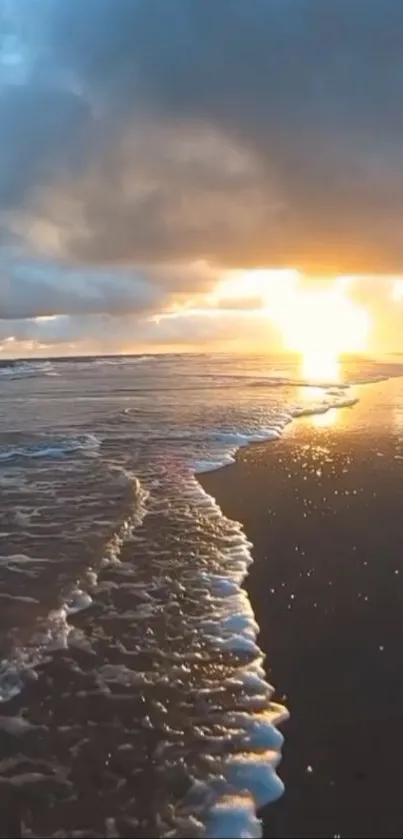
117, 333
31, 288
146, 147
42, 133
246, 133
122, 322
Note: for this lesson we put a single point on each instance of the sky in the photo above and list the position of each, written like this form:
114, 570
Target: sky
150, 150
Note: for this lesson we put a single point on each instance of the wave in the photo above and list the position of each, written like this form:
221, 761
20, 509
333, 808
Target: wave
206, 643
87, 444
53, 630
167, 589
281, 382
224, 446
120, 360
16, 370
347, 402
227, 446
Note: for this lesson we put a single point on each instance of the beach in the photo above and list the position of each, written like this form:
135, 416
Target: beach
140, 584
322, 507
201, 419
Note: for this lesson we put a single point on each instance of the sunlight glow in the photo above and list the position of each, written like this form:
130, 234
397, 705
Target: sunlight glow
320, 322
320, 367
326, 420
397, 292
258, 283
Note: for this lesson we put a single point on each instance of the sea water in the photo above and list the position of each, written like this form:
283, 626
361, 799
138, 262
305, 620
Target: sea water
131, 674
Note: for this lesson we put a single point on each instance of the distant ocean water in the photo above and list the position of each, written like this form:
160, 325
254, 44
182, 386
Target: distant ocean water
121, 595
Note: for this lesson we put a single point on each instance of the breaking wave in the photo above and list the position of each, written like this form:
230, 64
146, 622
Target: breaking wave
87, 444
124, 617
15, 370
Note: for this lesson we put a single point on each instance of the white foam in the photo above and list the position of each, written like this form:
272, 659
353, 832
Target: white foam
346, 403
240, 623
88, 444
237, 644
15, 725
323, 408
201, 466
233, 816
225, 445
55, 633
252, 681
228, 624
19, 668
224, 586
260, 733
26, 370
257, 774
77, 601
91, 578
22, 559
18, 597
121, 675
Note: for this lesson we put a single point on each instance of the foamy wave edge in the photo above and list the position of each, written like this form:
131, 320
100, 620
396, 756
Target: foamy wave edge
251, 779
55, 632
231, 442
248, 780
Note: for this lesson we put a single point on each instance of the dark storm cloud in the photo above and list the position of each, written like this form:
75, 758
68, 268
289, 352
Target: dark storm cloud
42, 131
30, 289
303, 100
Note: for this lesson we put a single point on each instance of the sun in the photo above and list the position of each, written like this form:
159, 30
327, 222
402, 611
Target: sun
397, 292
320, 322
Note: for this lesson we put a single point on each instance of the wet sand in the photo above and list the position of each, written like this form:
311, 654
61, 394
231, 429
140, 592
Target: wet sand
323, 508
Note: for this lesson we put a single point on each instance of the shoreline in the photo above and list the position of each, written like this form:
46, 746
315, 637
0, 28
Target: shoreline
75, 727
329, 645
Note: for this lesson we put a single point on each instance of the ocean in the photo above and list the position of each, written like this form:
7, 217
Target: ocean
134, 697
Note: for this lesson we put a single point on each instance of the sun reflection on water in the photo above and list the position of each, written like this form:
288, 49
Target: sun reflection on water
320, 367
325, 420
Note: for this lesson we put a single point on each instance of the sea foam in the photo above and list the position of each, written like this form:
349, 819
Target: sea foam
157, 604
